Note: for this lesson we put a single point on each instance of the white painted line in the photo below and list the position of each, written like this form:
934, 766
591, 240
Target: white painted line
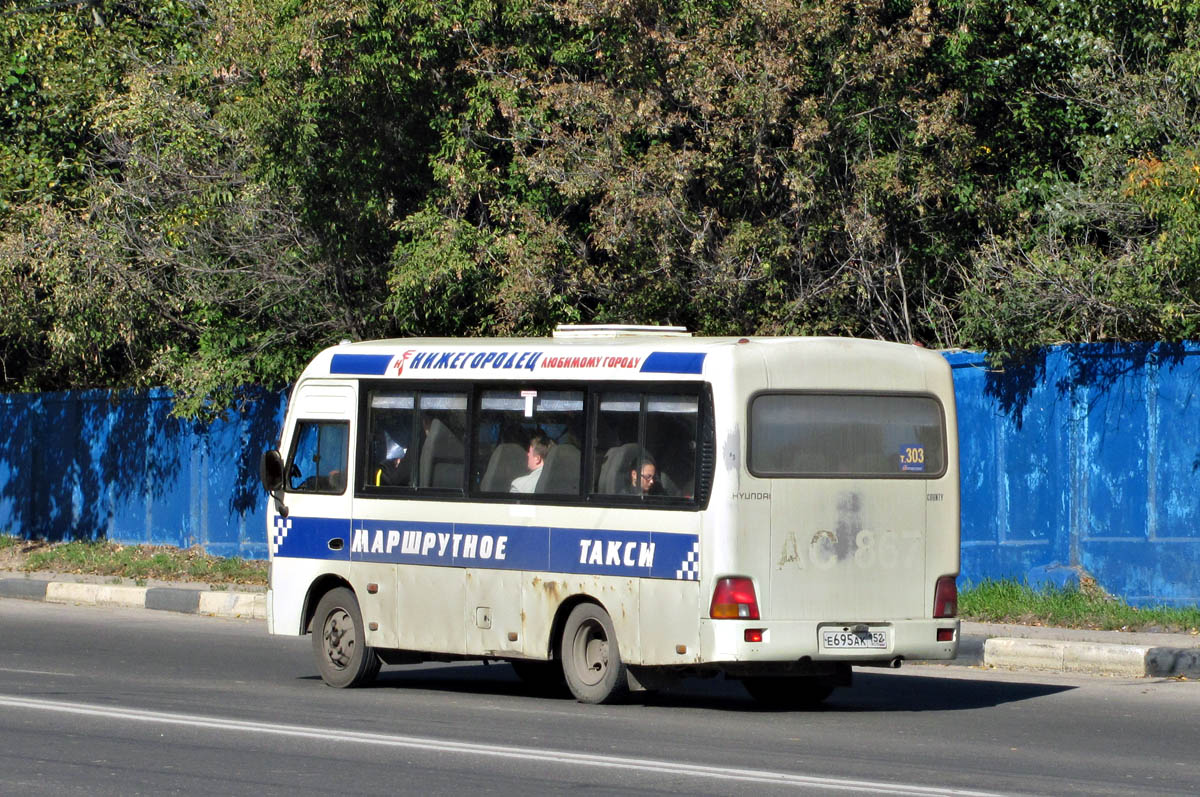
40, 672
326, 735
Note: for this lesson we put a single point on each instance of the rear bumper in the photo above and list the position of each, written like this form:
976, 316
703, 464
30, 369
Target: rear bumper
794, 640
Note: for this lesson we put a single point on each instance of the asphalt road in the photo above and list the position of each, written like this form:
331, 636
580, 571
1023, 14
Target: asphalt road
113, 701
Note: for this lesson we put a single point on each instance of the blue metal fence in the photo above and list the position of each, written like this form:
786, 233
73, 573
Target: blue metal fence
1084, 459
1080, 459
94, 464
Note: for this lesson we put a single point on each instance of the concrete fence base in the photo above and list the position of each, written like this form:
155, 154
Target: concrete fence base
1092, 658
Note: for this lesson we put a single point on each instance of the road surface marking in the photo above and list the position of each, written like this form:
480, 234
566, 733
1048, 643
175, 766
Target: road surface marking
326, 735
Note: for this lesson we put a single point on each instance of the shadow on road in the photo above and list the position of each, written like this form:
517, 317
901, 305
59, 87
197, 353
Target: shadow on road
872, 691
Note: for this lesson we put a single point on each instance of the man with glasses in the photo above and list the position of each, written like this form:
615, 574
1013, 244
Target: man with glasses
645, 480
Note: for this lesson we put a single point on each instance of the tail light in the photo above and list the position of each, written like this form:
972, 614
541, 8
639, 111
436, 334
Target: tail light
945, 597
734, 599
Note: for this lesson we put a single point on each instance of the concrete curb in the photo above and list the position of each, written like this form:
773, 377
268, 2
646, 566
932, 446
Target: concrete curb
240, 605
1093, 658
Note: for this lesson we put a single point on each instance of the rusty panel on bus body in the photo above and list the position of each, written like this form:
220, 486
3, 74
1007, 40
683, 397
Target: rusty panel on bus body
848, 461
648, 588
494, 589
495, 618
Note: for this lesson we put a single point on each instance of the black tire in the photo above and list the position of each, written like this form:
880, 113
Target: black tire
339, 641
591, 659
542, 677
783, 692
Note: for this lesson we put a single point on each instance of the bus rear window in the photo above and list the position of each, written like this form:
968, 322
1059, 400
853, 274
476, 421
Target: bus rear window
845, 434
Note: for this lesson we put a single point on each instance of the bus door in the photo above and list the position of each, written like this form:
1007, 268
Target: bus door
317, 475
848, 475
409, 542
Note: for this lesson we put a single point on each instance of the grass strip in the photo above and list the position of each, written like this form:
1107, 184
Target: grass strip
137, 562
1072, 606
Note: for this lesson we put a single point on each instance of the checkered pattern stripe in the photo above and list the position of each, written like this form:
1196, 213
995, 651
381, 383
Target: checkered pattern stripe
282, 526
690, 569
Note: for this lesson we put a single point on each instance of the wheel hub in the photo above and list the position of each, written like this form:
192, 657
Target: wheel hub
339, 638
591, 648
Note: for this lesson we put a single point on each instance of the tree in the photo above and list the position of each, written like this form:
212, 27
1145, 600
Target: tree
180, 268
233, 186
734, 167
1106, 246
60, 59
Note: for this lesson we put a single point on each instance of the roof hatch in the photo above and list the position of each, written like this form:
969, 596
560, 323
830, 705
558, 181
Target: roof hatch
618, 331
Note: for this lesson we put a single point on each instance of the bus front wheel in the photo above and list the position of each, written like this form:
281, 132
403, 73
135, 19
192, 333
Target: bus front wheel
591, 660
339, 641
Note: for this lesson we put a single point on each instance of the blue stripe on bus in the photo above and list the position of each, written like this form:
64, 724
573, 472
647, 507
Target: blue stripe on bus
310, 537
360, 364
612, 552
673, 362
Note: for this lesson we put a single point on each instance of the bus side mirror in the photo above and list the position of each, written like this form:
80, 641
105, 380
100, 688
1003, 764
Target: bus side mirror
270, 470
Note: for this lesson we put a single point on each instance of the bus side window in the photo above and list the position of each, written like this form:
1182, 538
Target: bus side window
390, 452
617, 448
560, 415
318, 460
443, 455
646, 445
672, 432
508, 420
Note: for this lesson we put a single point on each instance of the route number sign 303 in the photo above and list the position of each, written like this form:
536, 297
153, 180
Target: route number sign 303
912, 458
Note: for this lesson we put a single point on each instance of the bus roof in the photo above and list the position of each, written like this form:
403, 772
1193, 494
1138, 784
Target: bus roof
586, 356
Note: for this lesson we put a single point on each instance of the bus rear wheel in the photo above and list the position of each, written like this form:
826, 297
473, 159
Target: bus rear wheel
339, 641
591, 660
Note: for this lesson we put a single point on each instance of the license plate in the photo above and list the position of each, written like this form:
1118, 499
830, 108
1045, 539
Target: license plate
845, 638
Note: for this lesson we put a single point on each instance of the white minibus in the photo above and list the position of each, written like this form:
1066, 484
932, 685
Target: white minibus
615, 508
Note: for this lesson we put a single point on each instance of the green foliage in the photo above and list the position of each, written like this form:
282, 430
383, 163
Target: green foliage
1105, 249
59, 60
178, 269
72, 315
201, 196
338, 103
733, 168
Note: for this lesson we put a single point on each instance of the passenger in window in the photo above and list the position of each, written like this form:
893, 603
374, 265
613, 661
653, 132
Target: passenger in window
535, 457
395, 469
645, 480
